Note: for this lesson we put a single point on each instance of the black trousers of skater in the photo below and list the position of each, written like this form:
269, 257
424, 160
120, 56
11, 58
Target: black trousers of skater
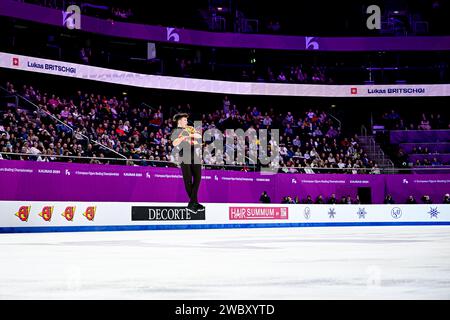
192, 175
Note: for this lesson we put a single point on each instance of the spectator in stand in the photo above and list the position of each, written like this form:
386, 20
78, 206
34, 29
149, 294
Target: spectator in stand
343, 200
267, 121
436, 162
389, 200
308, 200
287, 200
446, 199
281, 77
226, 105
375, 169
357, 200
319, 199
264, 198
332, 199
426, 199
411, 200
424, 123
332, 133
348, 200
297, 142
297, 200
85, 55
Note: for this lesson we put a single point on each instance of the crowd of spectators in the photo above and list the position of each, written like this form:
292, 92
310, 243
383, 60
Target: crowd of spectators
100, 9
320, 199
425, 121
425, 199
426, 162
70, 126
289, 74
405, 159
121, 13
187, 67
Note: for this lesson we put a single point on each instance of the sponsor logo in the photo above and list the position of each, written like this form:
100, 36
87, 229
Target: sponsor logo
172, 35
15, 61
310, 44
165, 214
257, 213
433, 213
361, 213
307, 213
90, 213
396, 213
23, 213
354, 91
374, 20
332, 213
69, 213
72, 17
46, 213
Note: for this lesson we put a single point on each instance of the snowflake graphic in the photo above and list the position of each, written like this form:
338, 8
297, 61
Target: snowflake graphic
361, 213
433, 212
332, 212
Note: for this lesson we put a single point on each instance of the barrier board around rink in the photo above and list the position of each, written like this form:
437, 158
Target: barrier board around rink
120, 77
33, 216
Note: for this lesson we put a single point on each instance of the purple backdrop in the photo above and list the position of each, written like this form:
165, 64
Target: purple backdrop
232, 40
40, 181
434, 185
398, 136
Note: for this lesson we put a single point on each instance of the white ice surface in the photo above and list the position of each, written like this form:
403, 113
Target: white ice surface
287, 263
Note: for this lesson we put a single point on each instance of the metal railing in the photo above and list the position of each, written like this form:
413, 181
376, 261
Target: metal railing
375, 151
363, 131
336, 119
166, 163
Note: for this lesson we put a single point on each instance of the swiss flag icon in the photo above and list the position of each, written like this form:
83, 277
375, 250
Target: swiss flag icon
354, 90
15, 61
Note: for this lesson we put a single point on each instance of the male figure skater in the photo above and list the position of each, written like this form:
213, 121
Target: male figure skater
192, 172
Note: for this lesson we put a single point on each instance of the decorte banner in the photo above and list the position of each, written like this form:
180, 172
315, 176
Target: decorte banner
54, 17
66, 69
42, 181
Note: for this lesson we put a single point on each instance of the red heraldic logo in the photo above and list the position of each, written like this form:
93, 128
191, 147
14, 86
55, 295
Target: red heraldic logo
90, 213
23, 213
46, 213
69, 213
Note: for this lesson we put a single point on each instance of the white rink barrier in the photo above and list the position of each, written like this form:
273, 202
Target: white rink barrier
80, 71
33, 216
